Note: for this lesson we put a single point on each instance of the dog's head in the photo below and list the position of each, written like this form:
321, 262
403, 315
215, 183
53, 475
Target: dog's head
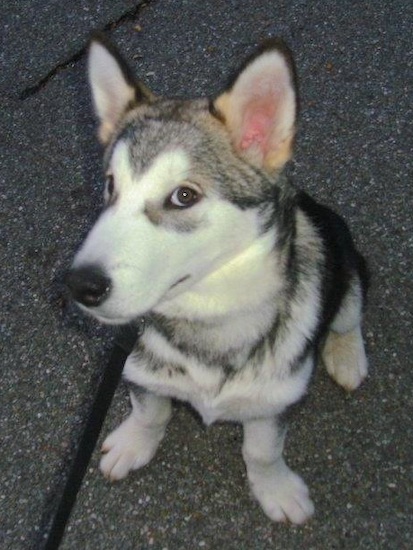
190, 185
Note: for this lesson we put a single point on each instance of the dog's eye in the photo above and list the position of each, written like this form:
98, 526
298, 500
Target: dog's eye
110, 185
183, 197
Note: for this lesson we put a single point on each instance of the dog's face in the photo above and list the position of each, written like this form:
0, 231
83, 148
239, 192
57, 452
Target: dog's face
189, 184
165, 225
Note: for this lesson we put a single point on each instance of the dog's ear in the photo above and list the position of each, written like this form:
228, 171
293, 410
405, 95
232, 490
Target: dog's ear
259, 107
114, 89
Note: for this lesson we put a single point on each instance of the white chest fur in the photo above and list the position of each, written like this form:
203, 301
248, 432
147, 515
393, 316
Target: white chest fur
244, 293
251, 392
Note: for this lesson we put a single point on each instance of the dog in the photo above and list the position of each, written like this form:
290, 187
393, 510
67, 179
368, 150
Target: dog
243, 280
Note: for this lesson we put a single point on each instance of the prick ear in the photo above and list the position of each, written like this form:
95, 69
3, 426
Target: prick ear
259, 108
114, 89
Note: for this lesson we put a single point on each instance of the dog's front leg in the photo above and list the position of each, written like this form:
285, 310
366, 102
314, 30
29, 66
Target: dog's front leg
134, 443
282, 494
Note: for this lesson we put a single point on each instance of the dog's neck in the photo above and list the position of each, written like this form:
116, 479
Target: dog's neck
239, 287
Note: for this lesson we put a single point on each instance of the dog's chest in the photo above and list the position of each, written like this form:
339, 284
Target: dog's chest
254, 390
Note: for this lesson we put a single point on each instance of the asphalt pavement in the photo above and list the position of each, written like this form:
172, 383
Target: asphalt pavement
354, 153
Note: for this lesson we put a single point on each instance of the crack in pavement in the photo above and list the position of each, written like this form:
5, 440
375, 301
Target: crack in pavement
130, 15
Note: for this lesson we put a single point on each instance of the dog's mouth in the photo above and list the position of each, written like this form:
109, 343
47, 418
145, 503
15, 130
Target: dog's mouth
119, 320
176, 289
183, 279
105, 319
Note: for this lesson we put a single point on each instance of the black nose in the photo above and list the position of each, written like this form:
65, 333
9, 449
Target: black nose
88, 285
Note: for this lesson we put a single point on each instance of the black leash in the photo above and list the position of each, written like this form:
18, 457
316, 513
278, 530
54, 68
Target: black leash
110, 379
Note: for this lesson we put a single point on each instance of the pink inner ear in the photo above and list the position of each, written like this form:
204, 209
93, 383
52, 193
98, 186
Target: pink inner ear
258, 125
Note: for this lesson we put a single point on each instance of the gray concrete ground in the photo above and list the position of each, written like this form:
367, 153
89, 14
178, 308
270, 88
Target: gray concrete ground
353, 152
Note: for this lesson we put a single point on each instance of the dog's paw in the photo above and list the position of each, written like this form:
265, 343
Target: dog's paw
345, 358
127, 448
283, 495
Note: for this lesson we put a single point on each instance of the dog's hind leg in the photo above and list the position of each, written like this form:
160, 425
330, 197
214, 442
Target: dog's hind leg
134, 443
345, 358
343, 353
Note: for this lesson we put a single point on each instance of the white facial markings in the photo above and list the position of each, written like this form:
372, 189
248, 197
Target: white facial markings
145, 260
120, 168
168, 171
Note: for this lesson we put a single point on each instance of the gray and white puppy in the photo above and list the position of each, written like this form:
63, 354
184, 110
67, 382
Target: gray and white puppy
241, 278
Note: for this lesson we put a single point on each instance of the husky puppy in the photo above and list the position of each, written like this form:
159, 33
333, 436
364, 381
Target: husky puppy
241, 278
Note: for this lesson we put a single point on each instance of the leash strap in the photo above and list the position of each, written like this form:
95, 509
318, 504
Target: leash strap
110, 379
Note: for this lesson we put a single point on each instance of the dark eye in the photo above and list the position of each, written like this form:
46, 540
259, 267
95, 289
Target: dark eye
110, 185
183, 197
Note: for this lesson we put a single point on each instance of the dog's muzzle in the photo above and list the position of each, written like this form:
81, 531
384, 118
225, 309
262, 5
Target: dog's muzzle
88, 285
